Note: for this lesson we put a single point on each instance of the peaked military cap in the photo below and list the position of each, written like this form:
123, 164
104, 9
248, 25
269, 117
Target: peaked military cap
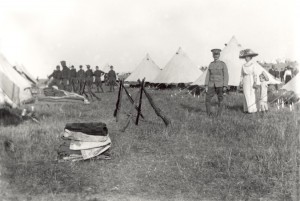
216, 51
88, 66
63, 63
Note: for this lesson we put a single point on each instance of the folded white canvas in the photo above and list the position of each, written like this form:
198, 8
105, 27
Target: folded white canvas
90, 153
80, 145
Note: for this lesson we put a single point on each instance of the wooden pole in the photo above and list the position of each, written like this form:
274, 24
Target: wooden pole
118, 104
129, 119
131, 100
158, 112
93, 94
140, 102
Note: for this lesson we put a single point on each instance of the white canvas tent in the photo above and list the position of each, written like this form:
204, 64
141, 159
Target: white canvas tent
230, 55
180, 69
25, 73
14, 88
106, 68
146, 69
293, 85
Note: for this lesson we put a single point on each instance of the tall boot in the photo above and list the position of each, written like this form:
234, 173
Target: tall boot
220, 109
208, 109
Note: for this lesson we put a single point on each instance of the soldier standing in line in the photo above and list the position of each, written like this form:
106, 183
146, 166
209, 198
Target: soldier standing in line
65, 76
81, 79
57, 76
89, 78
112, 77
216, 81
73, 79
98, 73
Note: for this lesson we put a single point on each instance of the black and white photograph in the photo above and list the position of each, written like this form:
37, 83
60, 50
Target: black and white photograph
139, 100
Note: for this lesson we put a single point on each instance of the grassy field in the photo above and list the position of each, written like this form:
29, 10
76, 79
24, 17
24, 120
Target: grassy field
231, 157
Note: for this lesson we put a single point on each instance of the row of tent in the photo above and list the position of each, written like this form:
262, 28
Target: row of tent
15, 83
180, 69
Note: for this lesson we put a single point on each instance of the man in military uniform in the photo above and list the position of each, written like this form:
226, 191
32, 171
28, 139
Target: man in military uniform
56, 77
216, 81
98, 73
73, 79
81, 79
65, 76
89, 78
112, 77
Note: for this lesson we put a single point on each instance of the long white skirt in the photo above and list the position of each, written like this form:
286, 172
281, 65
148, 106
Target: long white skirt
250, 100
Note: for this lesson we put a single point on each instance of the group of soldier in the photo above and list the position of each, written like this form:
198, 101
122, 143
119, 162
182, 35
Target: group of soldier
69, 79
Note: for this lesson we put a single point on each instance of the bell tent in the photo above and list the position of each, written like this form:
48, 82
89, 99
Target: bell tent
146, 69
106, 68
14, 88
180, 69
293, 85
21, 69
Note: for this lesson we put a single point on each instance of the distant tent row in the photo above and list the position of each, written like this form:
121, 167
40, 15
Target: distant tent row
14, 88
180, 69
230, 55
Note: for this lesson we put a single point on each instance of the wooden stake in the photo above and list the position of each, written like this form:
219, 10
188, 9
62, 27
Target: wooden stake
156, 109
140, 102
129, 119
131, 99
118, 104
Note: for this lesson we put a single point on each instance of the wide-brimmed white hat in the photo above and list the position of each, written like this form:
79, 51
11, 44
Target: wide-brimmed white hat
247, 53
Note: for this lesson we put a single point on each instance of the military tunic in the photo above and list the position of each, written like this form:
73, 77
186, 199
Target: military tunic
73, 79
216, 79
81, 78
217, 74
65, 78
57, 77
98, 81
111, 76
89, 79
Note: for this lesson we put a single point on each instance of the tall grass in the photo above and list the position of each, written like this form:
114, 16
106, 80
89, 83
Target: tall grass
231, 157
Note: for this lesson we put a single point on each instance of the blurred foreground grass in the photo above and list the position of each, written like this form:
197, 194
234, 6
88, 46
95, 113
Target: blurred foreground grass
232, 157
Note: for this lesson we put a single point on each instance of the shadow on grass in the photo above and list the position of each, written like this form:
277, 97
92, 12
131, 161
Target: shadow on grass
43, 177
192, 109
9, 117
237, 108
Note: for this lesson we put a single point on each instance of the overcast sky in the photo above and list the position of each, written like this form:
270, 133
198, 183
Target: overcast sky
40, 33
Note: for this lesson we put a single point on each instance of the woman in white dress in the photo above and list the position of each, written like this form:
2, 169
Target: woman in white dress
249, 81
